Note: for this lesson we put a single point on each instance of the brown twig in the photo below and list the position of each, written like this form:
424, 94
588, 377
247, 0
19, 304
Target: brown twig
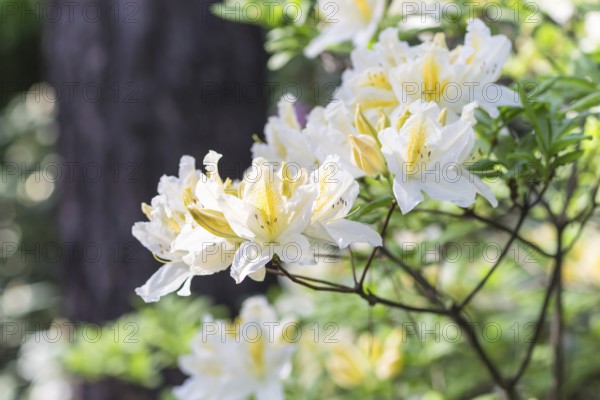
505, 250
374, 252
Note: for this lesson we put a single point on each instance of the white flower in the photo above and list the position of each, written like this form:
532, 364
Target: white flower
393, 75
427, 156
201, 225
284, 138
337, 191
170, 230
270, 214
345, 20
327, 130
234, 366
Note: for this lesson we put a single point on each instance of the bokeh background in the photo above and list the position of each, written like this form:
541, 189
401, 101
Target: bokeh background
98, 100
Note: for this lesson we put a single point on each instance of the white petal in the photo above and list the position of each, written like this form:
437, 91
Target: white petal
154, 237
211, 159
408, 194
248, 259
240, 216
185, 289
294, 248
345, 232
456, 189
484, 190
259, 275
187, 166
164, 281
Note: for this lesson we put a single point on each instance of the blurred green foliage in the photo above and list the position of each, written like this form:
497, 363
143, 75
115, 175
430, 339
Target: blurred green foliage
139, 345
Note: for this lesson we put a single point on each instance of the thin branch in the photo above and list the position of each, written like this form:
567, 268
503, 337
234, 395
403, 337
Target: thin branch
584, 216
353, 265
556, 334
374, 299
467, 328
505, 250
326, 286
428, 289
492, 223
374, 252
539, 326
305, 281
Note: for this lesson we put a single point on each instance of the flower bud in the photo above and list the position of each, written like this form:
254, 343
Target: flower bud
442, 117
367, 155
363, 126
383, 122
402, 119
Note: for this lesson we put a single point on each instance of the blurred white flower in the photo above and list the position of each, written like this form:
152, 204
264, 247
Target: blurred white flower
368, 358
591, 25
427, 155
39, 362
345, 20
559, 10
235, 361
417, 15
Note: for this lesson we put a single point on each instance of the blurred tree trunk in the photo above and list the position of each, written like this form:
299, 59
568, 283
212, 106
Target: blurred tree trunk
141, 83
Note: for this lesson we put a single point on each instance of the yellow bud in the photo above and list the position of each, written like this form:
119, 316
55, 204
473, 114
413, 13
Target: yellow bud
442, 118
213, 221
363, 126
383, 122
366, 154
402, 119
147, 210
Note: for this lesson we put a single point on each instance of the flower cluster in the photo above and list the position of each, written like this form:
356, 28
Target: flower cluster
239, 360
407, 111
200, 224
392, 119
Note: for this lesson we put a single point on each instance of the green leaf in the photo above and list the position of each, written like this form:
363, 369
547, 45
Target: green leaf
589, 101
568, 158
367, 208
566, 141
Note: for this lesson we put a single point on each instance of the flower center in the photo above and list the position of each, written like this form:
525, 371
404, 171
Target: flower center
416, 143
268, 202
432, 87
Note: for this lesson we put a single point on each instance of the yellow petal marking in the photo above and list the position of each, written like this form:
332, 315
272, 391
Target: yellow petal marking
433, 87
416, 143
